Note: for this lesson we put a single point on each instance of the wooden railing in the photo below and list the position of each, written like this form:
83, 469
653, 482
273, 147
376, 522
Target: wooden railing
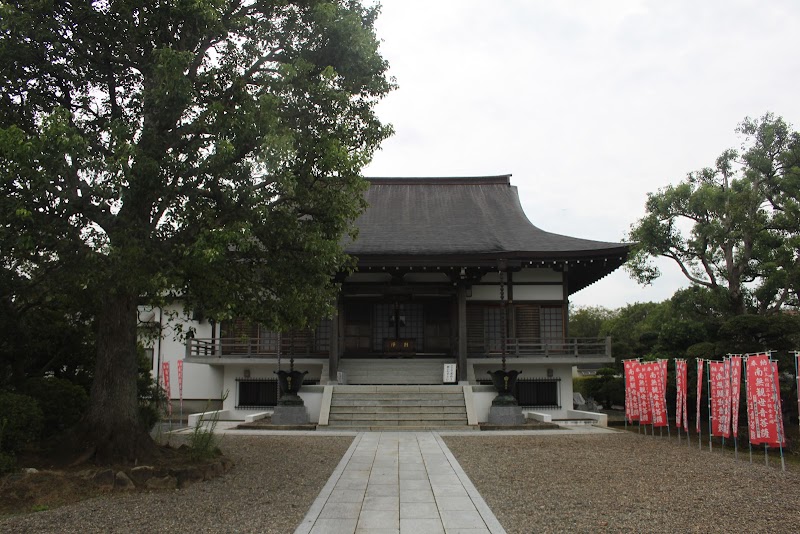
250, 348
278, 347
578, 347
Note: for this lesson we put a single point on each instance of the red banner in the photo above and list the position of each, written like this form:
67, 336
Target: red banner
631, 390
736, 392
681, 417
655, 393
642, 395
699, 390
663, 366
716, 374
726, 393
180, 380
165, 377
797, 374
765, 421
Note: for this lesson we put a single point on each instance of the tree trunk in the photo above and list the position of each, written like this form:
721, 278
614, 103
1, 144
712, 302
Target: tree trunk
112, 428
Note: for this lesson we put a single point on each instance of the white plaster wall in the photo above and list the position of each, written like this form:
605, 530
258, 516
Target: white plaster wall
522, 292
200, 381
538, 293
538, 275
311, 395
485, 394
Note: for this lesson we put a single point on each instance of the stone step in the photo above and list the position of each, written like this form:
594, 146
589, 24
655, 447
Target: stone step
397, 422
399, 396
391, 428
415, 388
398, 409
433, 404
398, 416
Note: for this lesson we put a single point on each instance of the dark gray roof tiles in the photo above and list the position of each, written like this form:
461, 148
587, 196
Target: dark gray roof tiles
479, 216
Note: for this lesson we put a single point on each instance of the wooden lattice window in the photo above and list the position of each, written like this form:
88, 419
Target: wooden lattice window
552, 323
526, 322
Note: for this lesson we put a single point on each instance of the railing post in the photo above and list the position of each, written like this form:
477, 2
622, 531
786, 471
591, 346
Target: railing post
188, 346
608, 346
575, 344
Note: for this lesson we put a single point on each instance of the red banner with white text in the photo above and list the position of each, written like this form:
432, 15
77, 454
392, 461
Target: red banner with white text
765, 421
642, 394
631, 390
716, 375
699, 391
681, 417
165, 377
655, 392
736, 393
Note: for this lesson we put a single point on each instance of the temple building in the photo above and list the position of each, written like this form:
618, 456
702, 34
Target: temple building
451, 279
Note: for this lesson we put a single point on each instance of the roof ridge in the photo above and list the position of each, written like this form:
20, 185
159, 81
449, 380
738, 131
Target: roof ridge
502, 179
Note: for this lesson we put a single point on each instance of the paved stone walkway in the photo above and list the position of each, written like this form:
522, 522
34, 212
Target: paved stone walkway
399, 482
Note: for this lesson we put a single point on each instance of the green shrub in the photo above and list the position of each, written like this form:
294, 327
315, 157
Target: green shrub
149, 414
21, 421
7, 463
62, 402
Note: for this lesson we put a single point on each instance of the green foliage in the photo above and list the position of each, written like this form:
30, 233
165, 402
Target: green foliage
21, 421
203, 442
588, 321
8, 462
703, 351
753, 333
200, 149
606, 388
62, 403
744, 220
150, 395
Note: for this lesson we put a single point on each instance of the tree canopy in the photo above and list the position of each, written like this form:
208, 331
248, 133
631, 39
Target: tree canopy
735, 227
209, 150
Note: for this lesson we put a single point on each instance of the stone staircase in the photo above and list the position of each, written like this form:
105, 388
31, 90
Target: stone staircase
395, 408
393, 370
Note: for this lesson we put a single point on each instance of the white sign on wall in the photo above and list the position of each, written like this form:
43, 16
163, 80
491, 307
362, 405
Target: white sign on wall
449, 376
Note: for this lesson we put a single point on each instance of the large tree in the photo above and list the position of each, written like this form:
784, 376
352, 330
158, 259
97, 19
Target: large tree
207, 149
732, 228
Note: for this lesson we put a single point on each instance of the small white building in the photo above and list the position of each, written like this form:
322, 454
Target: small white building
450, 271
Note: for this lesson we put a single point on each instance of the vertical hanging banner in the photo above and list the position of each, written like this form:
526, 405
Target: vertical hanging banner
726, 395
736, 392
643, 395
763, 405
656, 393
662, 364
165, 376
681, 417
716, 374
180, 381
781, 441
797, 376
631, 390
699, 390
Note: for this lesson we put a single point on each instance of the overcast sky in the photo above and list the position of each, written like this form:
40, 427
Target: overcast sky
589, 105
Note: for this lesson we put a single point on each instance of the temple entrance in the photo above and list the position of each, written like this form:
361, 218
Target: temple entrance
399, 327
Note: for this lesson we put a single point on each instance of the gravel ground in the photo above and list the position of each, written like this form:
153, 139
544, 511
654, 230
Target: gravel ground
626, 482
269, 490
562, 483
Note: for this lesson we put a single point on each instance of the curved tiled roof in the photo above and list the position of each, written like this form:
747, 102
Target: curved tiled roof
473, 222
458, 216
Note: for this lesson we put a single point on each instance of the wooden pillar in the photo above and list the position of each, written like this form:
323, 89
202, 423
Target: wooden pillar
333, 351
462, 333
